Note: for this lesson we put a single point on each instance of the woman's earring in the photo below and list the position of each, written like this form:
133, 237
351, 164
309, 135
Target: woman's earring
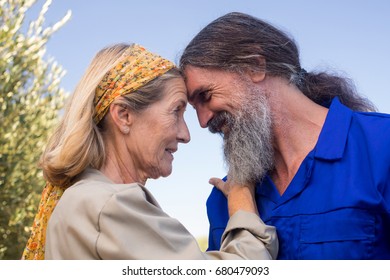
125, 130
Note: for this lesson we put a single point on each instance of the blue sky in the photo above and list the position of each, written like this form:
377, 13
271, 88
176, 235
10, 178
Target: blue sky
351, 37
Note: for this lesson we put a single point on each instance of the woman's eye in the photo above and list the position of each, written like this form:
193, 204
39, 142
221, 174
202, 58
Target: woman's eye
177, 110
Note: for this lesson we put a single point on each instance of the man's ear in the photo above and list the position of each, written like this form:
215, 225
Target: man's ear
257, 74
121, 117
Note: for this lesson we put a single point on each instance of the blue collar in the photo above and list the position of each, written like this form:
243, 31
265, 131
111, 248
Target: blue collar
330, 146
333, 137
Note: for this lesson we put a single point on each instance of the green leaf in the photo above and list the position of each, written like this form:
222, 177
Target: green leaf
30, 101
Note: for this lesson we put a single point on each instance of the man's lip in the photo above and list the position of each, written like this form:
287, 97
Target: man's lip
224, 129
221, 127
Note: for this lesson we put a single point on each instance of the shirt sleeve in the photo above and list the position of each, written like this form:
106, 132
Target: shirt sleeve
238, 237
131, 227
218, 216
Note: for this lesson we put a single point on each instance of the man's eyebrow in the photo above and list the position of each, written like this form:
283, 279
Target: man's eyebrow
198, 91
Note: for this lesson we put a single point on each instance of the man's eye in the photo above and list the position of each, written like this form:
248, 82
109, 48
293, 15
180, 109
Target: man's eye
204, 96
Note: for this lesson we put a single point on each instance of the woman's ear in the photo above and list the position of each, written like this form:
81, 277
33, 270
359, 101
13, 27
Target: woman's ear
121, 117
258, 74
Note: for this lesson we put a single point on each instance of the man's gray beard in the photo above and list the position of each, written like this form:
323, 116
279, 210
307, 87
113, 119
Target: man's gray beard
248, 150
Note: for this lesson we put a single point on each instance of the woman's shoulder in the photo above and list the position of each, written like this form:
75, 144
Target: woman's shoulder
94, 189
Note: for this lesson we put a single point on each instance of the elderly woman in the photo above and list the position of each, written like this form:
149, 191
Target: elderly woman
121, 127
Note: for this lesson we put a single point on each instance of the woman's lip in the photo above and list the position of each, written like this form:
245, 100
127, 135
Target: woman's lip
170, 153
171, 150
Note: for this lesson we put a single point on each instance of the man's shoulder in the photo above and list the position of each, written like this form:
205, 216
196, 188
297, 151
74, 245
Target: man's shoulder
372, 123
385, 117
217, 208
370, 135
216, 196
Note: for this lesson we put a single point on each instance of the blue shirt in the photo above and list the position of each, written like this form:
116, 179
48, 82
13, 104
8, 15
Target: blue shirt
338, 204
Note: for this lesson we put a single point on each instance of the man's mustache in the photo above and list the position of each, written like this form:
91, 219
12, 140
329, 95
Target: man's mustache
215, 124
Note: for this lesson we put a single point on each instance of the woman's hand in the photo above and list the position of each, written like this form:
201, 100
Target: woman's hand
223, 186
240, 197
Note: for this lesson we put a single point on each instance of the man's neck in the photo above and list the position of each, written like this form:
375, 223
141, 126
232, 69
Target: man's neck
298, 122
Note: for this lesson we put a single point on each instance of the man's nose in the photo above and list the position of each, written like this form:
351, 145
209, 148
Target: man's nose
204, 115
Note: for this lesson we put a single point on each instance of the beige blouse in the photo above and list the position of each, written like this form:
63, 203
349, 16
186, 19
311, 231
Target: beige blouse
98, 219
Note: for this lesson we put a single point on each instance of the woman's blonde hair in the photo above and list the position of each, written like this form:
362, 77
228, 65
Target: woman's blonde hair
77, 142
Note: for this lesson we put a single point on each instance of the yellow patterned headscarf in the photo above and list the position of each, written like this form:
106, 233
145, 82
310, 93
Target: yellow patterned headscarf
137, 68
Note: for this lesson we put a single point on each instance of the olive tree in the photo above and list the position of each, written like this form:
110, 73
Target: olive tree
31, 98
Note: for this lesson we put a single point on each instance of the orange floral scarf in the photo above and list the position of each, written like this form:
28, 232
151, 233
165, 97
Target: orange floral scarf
35, 248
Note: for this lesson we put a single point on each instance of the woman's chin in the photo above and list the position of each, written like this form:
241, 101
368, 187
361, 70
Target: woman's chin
162, 173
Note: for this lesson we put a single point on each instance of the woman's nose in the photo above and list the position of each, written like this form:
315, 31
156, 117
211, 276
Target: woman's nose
184, 133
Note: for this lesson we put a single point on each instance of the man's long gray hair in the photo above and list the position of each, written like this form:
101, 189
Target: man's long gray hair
234, 41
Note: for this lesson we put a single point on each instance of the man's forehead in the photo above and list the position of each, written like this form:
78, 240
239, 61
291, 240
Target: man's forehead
196, 79
192, 72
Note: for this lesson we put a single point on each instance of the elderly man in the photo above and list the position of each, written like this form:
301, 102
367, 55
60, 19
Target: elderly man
319, 156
